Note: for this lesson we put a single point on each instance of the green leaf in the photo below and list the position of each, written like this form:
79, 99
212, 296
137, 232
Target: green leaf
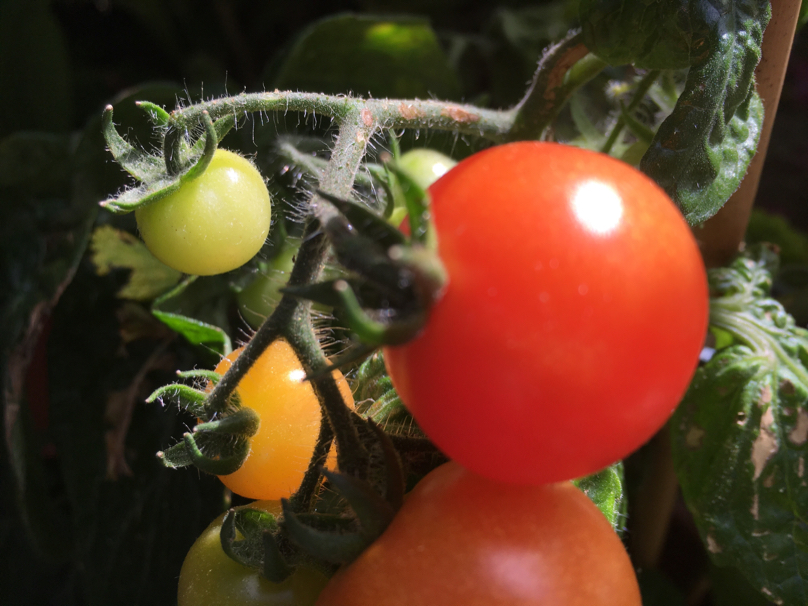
392, 57
113, 248
196, 331
740, 436
702, 150
605, 489
655, 35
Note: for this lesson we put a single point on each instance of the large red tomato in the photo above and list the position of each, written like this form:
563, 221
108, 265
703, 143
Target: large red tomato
463, 540
575, 311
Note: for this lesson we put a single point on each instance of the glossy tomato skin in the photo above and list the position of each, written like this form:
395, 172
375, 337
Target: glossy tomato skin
210, 578
463, 540
575, 311
212, 224
290, 422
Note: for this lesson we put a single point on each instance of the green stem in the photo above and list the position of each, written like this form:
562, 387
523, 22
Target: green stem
642, 89
291, 319
393, 113
552, 86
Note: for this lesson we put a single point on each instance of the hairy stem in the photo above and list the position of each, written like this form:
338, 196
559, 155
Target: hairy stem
387, 113
550, 88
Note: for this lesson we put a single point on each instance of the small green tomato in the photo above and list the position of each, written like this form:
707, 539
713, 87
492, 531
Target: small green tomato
210, 578
212, 224
425, 165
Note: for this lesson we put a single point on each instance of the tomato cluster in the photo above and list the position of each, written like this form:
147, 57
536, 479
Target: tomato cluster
570, 326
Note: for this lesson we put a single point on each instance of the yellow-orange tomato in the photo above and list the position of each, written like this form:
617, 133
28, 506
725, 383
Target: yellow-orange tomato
290, 421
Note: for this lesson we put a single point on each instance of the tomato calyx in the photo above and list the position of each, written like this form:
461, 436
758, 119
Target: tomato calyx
220, 443
394, 279
348, 515
182, 160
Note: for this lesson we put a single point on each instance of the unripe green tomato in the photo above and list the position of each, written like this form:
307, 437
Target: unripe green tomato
260, 297
209, 577
212, 224
425, 165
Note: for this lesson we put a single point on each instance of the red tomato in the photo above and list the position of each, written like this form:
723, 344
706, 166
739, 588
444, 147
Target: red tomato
575, 311
463, 540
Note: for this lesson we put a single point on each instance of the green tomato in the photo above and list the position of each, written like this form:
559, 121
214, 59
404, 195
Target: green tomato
425, 165
260, 297
212, 224
210, 578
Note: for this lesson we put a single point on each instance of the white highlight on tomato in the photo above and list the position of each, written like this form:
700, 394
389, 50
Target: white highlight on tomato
297, 376
439, 169
598, 207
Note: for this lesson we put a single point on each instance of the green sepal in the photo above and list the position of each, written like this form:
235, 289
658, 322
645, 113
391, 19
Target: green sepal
366, 222
211, 142
175, 147
328, 546
244, 422
369, 260
221, 127
137, 163
275, 567
157, 114
367, 329
208, 376
148, 193
219, 465
416, 201
372, 511
190, 399
175, 456
251, 523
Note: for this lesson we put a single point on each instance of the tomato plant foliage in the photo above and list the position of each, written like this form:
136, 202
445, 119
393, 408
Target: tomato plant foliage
574, 314
461, 539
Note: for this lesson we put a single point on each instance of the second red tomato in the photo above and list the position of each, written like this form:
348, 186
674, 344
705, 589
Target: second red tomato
576, 308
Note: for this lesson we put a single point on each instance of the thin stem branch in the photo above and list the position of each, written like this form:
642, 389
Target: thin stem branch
642, 88
550, 88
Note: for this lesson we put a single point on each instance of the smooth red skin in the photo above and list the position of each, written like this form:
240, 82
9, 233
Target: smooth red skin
555, 350
461, 539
